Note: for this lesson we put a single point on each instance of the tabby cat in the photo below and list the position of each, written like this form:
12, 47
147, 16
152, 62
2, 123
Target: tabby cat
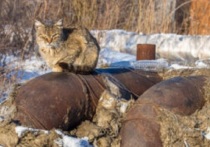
66, 49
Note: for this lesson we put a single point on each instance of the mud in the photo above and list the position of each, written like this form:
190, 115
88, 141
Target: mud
9, 138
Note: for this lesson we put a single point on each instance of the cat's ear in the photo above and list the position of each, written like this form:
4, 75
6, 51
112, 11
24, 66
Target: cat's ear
59, 23
38, 24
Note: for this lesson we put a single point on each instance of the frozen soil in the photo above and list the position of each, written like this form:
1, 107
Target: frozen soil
9, 138
186, 131
176, 130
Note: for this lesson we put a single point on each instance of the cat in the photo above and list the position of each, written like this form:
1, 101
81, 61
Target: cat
66, 49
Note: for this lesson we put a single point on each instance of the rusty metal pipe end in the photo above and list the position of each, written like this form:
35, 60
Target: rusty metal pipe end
146, 52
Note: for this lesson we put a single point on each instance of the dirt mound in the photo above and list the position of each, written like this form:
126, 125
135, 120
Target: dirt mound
167, 74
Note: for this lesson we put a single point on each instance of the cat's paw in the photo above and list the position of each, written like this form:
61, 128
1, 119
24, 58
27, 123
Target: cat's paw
57, 69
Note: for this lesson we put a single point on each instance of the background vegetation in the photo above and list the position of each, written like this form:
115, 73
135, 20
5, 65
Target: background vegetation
147, 16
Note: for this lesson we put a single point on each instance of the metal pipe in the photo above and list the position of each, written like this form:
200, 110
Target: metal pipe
145, 52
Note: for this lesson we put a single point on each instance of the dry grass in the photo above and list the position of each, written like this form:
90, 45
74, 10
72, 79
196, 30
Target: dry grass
200, 19
147, 16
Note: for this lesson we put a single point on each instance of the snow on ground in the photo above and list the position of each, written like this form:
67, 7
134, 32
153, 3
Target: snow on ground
170, 46
118, 49
66, 141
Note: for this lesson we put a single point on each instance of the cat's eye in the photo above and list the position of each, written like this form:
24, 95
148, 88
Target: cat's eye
44, 37
55, 36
